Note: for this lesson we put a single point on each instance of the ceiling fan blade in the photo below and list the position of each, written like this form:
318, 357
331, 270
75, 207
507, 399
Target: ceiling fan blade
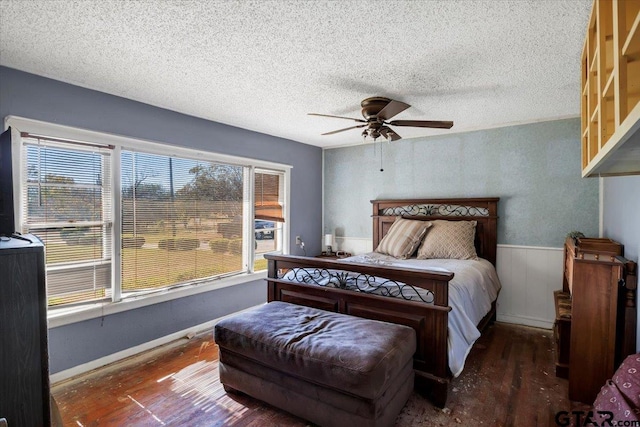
342, 130
391, 109
389, 134
337, 117
438, 124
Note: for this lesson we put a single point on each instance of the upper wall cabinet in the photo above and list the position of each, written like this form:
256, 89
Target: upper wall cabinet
611, 90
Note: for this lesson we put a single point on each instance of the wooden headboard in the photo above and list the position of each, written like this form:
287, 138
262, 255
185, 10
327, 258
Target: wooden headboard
483, 210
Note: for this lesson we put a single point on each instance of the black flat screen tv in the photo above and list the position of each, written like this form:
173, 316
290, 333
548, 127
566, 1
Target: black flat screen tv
7, 215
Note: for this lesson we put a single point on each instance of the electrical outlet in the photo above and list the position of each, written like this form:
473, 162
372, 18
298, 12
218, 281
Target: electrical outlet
298, 240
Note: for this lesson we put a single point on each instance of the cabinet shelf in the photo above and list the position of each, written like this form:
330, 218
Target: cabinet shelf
631, 47
621, 154
611, 90
607, 92
593, 69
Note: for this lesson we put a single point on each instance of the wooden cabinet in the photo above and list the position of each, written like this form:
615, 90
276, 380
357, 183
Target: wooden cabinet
24, 361
591, 248
602, 286
562, 332
610, 108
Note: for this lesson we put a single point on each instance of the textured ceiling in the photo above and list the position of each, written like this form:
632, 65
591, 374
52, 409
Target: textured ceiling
264, 65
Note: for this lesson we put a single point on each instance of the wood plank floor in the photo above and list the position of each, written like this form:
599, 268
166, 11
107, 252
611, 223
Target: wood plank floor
508, 380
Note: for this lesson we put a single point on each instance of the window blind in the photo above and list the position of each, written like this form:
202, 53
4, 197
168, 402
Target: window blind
268, 206
181, 220
67, 203
268, 195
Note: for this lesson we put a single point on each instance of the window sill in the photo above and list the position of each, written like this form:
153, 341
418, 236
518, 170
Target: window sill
64, 316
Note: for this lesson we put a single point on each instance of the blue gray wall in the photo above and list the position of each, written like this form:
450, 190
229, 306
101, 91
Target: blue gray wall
621, 217
34, 97
533, 168
621, 212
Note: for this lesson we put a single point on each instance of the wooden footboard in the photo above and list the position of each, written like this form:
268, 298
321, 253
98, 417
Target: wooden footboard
428, 320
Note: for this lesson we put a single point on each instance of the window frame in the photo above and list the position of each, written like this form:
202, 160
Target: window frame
283, 229
118, 143
105, 224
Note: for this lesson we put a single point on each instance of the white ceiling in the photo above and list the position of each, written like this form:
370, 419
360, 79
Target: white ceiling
263, 65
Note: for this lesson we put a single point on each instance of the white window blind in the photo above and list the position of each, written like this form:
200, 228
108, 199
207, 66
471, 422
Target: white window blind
183, 217
67, 203
181, 221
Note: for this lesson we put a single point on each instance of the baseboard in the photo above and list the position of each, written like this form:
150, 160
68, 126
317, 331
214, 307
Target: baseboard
526, 321
132, 351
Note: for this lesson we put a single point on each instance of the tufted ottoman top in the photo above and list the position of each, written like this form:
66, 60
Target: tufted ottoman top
347, 353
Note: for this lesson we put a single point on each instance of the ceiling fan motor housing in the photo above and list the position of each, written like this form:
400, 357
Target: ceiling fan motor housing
372, 106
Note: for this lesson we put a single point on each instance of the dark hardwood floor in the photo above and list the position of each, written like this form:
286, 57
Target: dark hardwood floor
509, 380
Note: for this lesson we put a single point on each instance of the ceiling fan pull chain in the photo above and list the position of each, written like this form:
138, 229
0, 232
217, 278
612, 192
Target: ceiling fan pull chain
381, 169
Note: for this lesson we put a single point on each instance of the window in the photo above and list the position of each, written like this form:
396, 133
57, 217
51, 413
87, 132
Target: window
181, 220
269, 195
163, 218
67, 203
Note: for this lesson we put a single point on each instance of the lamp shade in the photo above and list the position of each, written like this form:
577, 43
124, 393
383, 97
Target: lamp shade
328, 239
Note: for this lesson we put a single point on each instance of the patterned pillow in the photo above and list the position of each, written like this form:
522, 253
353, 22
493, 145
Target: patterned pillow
449, 239
403, 238
621, 394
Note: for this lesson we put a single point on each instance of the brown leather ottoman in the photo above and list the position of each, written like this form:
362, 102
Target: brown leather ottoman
328, 368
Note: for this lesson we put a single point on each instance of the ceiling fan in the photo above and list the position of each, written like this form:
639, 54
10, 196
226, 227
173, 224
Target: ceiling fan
377, 111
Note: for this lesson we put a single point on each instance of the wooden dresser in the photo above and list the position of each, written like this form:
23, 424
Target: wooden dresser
596, 315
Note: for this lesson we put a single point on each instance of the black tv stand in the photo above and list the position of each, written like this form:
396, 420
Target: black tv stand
20, 237
24, 362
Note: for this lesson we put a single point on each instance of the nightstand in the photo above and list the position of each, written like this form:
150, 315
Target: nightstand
334, 255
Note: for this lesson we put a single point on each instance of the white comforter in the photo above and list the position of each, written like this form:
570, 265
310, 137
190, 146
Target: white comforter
474, 287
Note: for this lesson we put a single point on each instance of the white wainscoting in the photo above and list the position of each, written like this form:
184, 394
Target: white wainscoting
529, 275
354, 245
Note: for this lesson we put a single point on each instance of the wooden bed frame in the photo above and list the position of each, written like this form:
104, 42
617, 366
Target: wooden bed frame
428, 320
